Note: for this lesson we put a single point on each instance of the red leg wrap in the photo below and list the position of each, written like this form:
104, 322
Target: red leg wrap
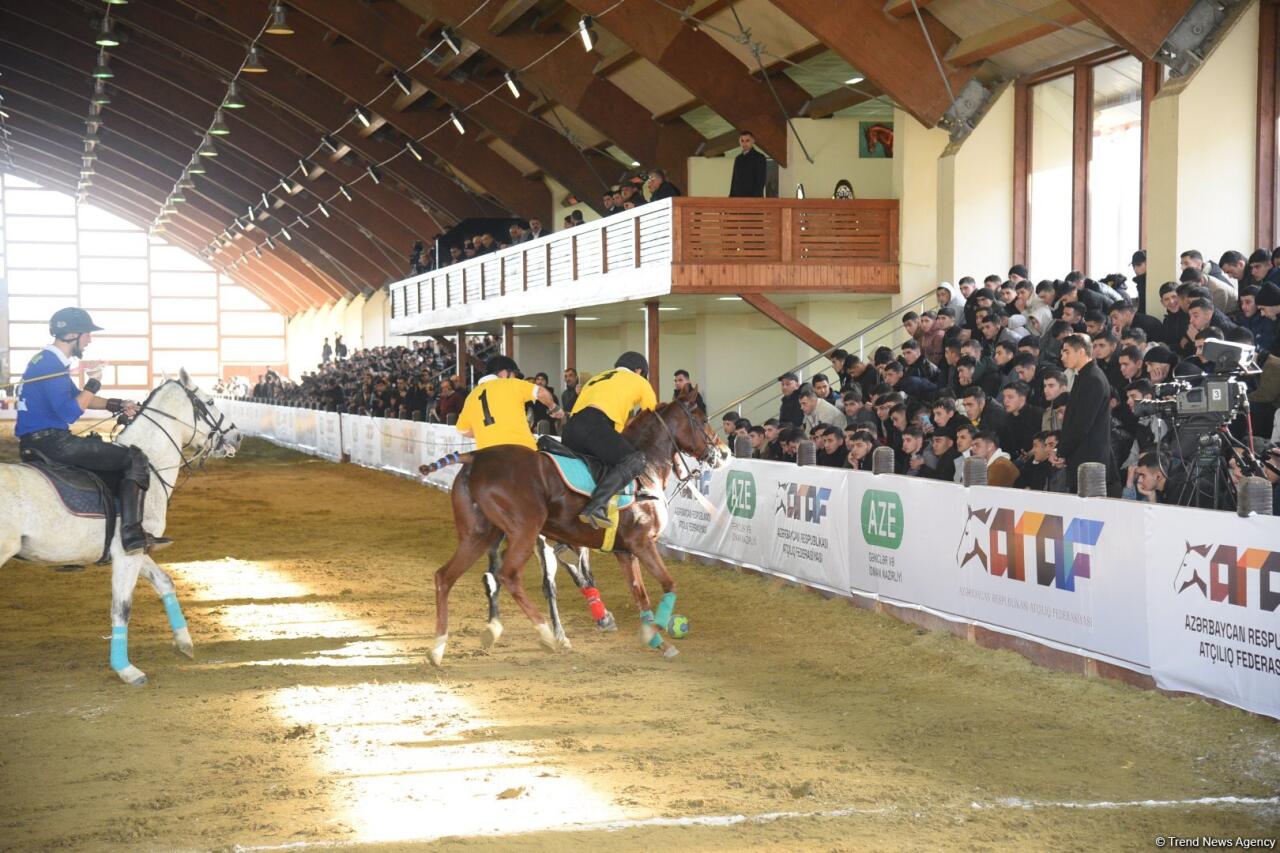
592, 595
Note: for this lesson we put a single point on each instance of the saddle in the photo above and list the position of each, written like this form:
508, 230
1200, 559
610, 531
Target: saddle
580, 472
83, 493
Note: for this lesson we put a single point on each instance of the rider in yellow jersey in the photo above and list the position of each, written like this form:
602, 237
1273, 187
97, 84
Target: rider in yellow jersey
494, 411
604, 406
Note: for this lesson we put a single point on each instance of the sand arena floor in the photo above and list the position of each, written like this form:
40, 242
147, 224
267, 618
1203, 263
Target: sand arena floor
311, 717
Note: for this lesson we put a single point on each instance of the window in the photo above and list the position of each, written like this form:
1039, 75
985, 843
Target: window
1115, 165
1049, 187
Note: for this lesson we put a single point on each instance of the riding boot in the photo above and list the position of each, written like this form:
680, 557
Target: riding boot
595, 513
133, 538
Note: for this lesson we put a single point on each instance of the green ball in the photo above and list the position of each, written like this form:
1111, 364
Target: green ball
678, 628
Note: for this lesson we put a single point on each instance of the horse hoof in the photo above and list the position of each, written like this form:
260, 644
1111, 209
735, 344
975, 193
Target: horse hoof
562, 643
607, 623
182, 643
546, 638
436, 655
132, 676
669, 652
492, 633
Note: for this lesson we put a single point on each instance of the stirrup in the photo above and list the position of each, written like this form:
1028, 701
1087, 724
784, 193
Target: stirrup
599, 519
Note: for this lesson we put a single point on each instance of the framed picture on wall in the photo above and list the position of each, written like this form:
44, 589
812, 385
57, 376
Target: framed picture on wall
875, 139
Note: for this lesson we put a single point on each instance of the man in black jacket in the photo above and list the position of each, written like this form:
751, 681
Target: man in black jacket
660, 187
749, 169
1086, 426
789, 411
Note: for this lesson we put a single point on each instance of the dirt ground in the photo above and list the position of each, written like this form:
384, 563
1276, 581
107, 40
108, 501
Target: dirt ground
312, 718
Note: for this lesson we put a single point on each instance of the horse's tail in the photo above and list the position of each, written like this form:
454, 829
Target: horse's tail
445, 462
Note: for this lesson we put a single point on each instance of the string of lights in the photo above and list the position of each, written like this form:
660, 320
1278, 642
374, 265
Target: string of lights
104, 39
6, 148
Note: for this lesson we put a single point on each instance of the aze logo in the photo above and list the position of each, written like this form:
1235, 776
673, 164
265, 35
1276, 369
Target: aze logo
882, 518
1005, 543
802, 502
1222, 573
740, 494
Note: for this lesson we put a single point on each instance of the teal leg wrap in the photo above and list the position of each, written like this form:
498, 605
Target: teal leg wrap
646, 617
174, 610
656, 642
666, 607
119, 647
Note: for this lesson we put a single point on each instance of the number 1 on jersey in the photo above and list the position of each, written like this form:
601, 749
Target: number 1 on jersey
484, 405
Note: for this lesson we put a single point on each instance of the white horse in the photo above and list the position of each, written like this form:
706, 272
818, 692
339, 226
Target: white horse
177, 427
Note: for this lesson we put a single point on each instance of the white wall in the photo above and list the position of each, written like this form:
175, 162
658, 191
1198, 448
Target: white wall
833, 144
915, 184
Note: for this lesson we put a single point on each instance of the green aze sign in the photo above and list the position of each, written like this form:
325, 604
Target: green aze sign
882, 518
740, 494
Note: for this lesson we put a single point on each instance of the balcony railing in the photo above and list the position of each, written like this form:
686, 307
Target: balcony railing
683, 245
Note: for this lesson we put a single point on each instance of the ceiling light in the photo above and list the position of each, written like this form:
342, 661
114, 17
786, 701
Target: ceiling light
447, 36
206, 149
587, 319
523, 326
588, 35
233, 101
661, 308
266, 202
116, 2
799, 190
403, 82
87, 171
284, 185
320, 206
186, 183
257, 252
270, 243
373, 175
511, 83
219, 126
93, 124
728, 298
102, 71
284, 232
253, 62
457, 121
177, 196
330, 143
196, 167
854, 80
362, 116
279, 25
304, 168
107, 35
413, 149
100, 97
344, 192
304, 223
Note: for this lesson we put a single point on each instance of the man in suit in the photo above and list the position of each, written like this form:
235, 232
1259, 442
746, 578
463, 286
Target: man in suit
749, 169
1086, 426
660, 187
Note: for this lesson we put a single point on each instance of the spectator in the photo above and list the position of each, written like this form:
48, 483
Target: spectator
860, 446
1000, 468
535, 229
789, 412
681, 378
830, 450
1038, 469
660, 187
449, 403
944, 449
729, 424
1023, 421
911, 460
326, 352
817, 411
750, 169
1086, 427
822, 387
339, 348
569, 396
759, 444
965, 434
983, 412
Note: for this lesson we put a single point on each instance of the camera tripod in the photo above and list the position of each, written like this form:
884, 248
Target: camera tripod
1208, 481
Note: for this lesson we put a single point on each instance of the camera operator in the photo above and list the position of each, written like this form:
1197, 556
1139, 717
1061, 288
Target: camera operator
1159, 481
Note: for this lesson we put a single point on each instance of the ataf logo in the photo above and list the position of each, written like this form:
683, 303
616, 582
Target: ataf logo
1003, 543
802, 502
701, 482
740, 494
1222, 573
882, 518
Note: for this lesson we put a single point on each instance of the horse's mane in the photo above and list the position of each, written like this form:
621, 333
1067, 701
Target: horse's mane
145, 405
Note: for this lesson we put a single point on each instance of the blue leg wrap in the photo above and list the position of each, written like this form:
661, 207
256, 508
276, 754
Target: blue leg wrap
666, 607
119, 647
646, 617
174, 610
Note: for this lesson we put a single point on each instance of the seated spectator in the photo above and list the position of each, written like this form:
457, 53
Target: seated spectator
1023, 421
1000, 468
982, 411
1038, 469
830, 450
790, 439
659, 187
861, 445
943, 439
910, 386
911, 459
965, 434
729, 424
822, 387
759, 444
817, 411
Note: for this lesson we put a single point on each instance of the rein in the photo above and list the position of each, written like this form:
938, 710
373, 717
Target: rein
199, 414
678, 457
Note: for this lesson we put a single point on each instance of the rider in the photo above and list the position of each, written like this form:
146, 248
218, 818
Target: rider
604, 405
49, 402
494, 411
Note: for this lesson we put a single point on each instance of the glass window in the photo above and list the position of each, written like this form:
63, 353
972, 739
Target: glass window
113, 296
195, 361
42, 256
133, 374
42, 229
173, 258
39, 201
251, 323
183, 310
183, 284
124, 322
30, 334
127, 270
97, 219
1049, 186
35, 308
1115, 165
107, 348
41, 282
113, 244
253, 350
237, 298
177, 336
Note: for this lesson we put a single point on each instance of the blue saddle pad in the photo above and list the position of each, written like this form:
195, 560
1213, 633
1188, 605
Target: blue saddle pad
81, 492
577, 477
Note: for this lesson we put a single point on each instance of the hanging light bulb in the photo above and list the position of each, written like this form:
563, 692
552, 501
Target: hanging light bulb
196, 167
284, 185
233, 100
206, 148
511, 83
320, 206
219, 126
271, 244
107, 34
304, 223
447, 36
100, 97
362, 116
403, 82
373, 175
344, 192
457, 121
284, 232
304, 168
257, 252
413, 149
279, 25
186, 183
102, 71
177, 196
116, 2
329, 143
253, 62
266, 202
587, 34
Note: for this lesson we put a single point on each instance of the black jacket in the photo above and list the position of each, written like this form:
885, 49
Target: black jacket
666, 190
1019, 430
790, 412
1086, 426
749, 175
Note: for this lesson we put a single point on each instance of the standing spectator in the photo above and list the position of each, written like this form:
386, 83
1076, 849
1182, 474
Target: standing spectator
681, 379
449, 403
1139, 264
750, 170
570, 394
326, 352
660, 187
539, 411
789, 412
1086, 426
339, 348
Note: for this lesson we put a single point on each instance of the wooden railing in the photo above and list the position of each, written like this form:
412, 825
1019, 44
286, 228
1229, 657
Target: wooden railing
694, 245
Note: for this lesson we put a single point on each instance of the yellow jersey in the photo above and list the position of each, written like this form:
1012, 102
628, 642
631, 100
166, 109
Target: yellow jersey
494, 413
617, 393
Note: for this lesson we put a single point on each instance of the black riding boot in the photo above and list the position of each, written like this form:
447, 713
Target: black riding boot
133, 538
596, 512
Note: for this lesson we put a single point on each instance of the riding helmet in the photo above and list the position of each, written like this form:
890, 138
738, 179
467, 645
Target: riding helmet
71, 321
499, 363
633, 361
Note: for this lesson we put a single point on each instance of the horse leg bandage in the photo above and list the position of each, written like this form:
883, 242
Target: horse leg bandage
666, 607
646, 622
119, 647
174, 611
594, 603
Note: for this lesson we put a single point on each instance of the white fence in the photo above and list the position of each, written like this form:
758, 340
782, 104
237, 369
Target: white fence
1187, 596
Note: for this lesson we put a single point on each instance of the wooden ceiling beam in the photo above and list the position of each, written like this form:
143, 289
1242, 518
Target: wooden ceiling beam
1017, 31
454, 61
617, 62
904, 8
718, 145
891, 52
779, 66
1139, 25
510, 12
824, 106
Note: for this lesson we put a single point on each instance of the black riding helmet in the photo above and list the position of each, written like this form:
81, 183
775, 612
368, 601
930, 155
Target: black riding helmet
633, 361
499, 363
71, 321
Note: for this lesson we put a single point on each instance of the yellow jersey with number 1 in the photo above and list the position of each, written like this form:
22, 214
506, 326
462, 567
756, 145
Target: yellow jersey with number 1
494, 413
617, 393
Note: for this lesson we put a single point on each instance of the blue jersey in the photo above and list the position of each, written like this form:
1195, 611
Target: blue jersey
49, 403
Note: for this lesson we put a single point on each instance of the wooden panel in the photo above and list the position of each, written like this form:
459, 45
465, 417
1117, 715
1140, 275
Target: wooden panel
1021, 170
739, 236
1082, 144
841, 234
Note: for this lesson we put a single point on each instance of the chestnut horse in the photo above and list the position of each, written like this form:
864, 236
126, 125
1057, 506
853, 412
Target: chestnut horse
513, 492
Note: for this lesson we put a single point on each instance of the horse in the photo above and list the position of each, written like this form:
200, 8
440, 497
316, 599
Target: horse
1195, 561
514, 492
974, 534
878, 136
36, 527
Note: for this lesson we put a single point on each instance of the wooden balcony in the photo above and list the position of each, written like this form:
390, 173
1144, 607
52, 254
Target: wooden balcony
680, 246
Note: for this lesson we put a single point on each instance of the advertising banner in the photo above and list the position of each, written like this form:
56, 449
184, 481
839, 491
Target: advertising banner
329, 435
1213, 595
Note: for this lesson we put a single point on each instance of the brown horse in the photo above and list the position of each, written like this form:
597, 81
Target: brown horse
516, 493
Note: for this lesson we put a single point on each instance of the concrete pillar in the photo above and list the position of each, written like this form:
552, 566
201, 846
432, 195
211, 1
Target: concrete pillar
916, 150
570, 338
651, 334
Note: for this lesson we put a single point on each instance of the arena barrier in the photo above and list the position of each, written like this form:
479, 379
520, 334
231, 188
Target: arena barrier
1188, 598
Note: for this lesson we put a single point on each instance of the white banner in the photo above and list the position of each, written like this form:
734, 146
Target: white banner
1213, 586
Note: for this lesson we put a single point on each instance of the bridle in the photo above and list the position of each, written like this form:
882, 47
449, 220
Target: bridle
681, 459
213, 437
